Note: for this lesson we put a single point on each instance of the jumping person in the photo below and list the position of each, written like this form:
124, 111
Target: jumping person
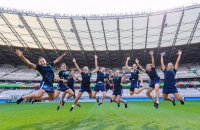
62, 77
47, 72
155, 79
109, 85
100, 86
117, 92
169, 80
135, 74
85, 83
70, 84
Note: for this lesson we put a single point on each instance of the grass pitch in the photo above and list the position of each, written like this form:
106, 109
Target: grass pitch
138, 116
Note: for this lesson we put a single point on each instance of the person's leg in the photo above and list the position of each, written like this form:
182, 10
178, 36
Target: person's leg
94, 95
138, 90
76, 100
56, 94
157, 86
148, 93
178, 97
35, 95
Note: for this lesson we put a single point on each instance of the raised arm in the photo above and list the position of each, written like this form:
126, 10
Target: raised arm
152, 59
76, 65
126, 64
123, 76
20, 54
96, 66
59, 58
178, 59
162, 63
138, 64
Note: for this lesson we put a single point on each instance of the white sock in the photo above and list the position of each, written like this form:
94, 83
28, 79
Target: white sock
157, 101
73, 105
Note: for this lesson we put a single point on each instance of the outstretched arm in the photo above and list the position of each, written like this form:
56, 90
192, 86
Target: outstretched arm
152, 59
138, 64
178, 59
96, 66
59, 58
162, 63
20, 54
76, 65
126, 64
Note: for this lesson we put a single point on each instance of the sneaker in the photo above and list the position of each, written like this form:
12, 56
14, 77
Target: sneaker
63, 102
126, 104
78, 105
156, 105
100, 103
118, 104
33, 100
174, 102
19, 100
111, 100
97, 99
58, 108
71, 109
182, 102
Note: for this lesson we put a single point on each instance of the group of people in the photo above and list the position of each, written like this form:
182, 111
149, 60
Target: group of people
104, 81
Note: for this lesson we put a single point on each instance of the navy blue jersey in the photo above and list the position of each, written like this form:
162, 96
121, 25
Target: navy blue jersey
47, 72
152, 74
86, 79
70, 81
63, 74
100, 76
117, 83
134, 74
107, 76
169, 77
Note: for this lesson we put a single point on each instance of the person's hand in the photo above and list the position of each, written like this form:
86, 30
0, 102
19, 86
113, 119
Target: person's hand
64, 54
136, 61
74, 60
128, 58
18, 52
151, 52
95, 56
64, 81
179, 52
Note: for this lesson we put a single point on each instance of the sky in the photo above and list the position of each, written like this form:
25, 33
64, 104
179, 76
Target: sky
94, 6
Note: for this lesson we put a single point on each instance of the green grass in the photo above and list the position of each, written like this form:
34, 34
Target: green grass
139, 115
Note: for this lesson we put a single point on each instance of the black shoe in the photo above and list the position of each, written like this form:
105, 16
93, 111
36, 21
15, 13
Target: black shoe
100, 103
174, 102
33, 100
156, 105
118, 104
58, 108
71, 109
111, 100
182, 102
97, 99
19, 100
78, 105
126, 104
63, 102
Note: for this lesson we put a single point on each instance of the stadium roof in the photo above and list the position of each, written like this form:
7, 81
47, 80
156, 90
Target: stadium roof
112, 37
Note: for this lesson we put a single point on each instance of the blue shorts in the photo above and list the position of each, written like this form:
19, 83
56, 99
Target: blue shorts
85, 89
72, 88
134, 84
109, 87
47, 86
62, 87
99, 87
169, 89
153, 82
119, 92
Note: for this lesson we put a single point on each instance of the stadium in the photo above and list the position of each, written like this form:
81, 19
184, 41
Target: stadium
113, 38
